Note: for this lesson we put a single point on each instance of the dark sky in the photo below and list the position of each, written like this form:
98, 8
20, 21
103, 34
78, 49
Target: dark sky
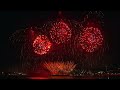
10, 21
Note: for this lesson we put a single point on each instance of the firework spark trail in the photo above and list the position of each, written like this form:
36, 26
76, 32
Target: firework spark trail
22, 42
96, 16
60, 68
96, 58
92, 59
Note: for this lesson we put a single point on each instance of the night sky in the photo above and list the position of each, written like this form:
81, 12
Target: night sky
10, 21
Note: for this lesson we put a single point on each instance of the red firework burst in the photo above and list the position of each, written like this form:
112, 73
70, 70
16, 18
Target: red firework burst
41, 45
60, 32
90, 39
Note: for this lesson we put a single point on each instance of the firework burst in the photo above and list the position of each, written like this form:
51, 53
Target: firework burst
90, 39
41, 45
60, 32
